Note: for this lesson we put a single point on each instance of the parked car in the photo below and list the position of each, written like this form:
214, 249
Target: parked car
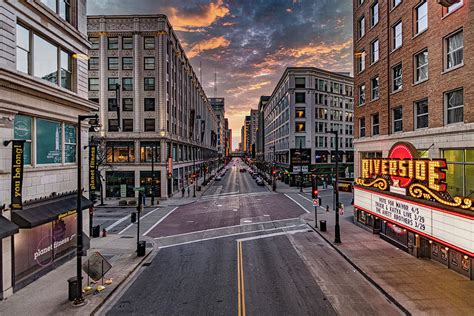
242, 170
260, 181
218, 178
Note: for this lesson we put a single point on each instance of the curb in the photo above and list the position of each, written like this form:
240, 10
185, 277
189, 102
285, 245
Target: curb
365, 275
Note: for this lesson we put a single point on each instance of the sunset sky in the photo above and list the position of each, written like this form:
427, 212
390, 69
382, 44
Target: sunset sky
250, 42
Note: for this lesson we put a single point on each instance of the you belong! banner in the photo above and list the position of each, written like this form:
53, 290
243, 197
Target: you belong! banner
17, 174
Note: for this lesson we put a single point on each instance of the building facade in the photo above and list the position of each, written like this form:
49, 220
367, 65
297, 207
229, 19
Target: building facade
43, 90
166, 120
414, 109
305, 105
260, 134
218, 105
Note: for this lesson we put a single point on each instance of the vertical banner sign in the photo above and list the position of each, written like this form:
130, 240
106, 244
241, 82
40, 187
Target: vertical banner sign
92, 167
17, 174
170, 167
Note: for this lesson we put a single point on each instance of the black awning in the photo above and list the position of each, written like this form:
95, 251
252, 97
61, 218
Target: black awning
38, 214
7, 228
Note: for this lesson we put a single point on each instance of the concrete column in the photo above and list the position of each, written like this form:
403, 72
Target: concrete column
7, 253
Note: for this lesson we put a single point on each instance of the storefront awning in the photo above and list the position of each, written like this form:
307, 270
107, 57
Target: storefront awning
7, 228
48, 211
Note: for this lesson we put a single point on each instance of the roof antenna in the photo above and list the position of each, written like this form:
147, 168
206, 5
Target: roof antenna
215, 83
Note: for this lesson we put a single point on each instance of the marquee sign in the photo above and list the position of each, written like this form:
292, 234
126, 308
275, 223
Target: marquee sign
403, 173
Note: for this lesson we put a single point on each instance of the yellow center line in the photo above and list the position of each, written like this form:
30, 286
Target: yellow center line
240, 280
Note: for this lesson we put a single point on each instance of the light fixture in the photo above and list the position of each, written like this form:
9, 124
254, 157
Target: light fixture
416, 235
446, 248
80, 56
430, 241
465, 257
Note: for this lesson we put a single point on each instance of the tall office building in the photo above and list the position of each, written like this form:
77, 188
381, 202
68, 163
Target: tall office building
260, 134
165, 118
218, 106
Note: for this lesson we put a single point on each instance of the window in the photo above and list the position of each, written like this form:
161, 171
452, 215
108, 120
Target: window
361, 26
49, 142
397, 120
127, 125
300, 112
421, 114
112, 105
375, 124
95, 42
94, 63
149, 84
149, 63
113, 125
66, 70
22, 130
149, 125
300, 141
45, 67
69, 143
362, 127
149, 104
112, 84
361, 94
127, 84
396, 3
127, 63
421, 17
460, 163
120, 152
455, 50
300, 83
374, 51
375, 88
374, 14
113, 63
397, 35
300, 97
397, 82
146, 152
299, 127
454, 101
455, 6
112, 43
421, 65
61, 7
22, 49
149, 42
93, 84
361, 61
127, 42
127, 104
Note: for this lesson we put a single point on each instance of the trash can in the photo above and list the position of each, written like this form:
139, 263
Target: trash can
141, 248
199, 188
96, 231
72, 286
322, 226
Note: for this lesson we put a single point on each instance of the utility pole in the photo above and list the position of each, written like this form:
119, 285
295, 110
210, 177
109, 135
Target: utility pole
274, 171
194, 172
337, 237
301, 167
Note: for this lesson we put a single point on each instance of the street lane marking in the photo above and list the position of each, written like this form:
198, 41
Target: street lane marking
116, 223
240, 280
310, 201
123, 230
158, 222
297, 203
273, 235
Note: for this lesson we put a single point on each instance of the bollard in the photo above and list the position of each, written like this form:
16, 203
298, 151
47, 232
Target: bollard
104, 233
327, 208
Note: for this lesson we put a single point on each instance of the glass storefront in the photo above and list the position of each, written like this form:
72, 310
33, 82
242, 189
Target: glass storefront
151, 187
121, 152
120, 184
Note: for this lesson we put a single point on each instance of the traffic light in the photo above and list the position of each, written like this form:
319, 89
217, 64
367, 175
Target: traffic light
133, 217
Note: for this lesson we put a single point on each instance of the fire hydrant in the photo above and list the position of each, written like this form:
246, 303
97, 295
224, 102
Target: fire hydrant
104, 233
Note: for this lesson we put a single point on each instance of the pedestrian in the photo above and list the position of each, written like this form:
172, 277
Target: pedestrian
189, 191
182, 191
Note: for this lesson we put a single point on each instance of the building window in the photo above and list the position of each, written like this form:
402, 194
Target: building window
146, 152
120, 152
300, 97
113, 63
454, 7
375, 124
69, 143
454, 101
300, 83
361, 61
113, 125
93, 84
149, 125
421, 66
94, 63
300, 141
94, 42
397, 35
374, 51
299, 127
397, 80
112, 105
460, 163
22, 49
127, 42
421, 12
300, 112
149, 63
455, 50
398, 119
375, 88
127, 63
61, 7
66, 70
421, 114
49, 142
112, 43
127, 125
23, 130
361, 26
149, 104
112, 83
149, 84
374, 14
127, 84
127, 104
362, 127
396, 3
149, 42
361, 94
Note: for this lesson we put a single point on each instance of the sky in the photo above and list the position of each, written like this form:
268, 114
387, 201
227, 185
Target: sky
249, 43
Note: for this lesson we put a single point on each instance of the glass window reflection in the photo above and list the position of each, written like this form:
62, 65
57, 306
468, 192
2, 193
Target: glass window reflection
45, 60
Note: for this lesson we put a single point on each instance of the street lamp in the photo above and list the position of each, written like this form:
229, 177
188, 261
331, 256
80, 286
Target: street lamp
153, 153
301, 167
273, 171
80, 298
337, 237
194, 172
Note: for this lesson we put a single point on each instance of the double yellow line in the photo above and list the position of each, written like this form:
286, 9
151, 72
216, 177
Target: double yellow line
240, 279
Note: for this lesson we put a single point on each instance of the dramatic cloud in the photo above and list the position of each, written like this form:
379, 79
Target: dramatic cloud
208, 44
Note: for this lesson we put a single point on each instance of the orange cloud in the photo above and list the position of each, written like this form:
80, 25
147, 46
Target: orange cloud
312, 50
228, 24
208, 15
250, 87
208, 44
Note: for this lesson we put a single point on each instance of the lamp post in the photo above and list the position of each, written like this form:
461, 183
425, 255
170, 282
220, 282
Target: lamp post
337, 237
301, 167
153, 152
117, 100
273, 170
79, 248
194, 172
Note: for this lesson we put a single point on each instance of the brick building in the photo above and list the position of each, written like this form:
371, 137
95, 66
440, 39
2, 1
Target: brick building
413, 72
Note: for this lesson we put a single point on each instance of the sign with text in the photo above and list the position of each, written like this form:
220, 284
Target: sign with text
300, 156
17, 174
92, 167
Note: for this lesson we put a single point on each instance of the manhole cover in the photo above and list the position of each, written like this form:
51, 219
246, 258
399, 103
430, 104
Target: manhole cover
128, 237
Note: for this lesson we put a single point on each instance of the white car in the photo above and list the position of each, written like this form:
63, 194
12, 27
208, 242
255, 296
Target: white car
218, 178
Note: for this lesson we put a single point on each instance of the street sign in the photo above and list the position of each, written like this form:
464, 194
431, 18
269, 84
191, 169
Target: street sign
139, 189
123, 190
96, 266
315, 202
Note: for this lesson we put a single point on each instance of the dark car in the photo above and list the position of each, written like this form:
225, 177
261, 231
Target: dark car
242, 170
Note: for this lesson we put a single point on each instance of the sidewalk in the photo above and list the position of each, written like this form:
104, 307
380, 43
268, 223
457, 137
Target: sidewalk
49, 294
420, 286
